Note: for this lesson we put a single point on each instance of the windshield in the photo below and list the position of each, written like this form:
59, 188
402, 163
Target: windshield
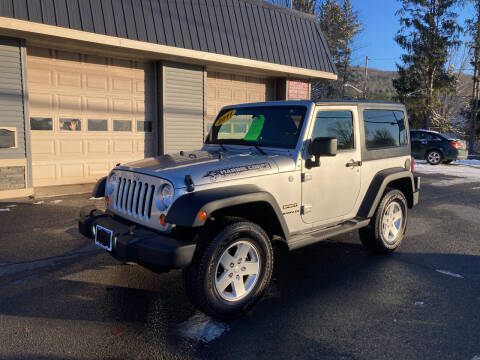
270, 126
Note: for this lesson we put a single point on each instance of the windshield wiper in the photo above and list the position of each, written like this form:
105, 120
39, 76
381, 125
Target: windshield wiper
241, 142
259, 150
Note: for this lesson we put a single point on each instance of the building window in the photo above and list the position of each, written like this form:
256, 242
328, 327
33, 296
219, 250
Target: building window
384, 128
69, 124
144, 126
97, 125
41, 123
122, 125
336, 124
8, 137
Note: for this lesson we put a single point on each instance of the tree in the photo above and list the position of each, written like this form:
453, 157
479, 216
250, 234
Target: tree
428, 32
448, 116
340, 26
307, 6
473, 26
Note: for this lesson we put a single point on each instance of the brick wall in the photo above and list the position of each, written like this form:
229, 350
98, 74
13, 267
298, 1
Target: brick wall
12, 177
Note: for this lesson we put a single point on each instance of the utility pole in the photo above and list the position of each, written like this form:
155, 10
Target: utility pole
365, 90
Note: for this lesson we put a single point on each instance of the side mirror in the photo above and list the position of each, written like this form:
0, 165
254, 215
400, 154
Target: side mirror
321, 146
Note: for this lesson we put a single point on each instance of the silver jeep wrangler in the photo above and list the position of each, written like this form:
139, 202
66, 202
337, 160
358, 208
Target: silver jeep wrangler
291, 173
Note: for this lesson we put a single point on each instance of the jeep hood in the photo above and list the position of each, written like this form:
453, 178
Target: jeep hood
206, 167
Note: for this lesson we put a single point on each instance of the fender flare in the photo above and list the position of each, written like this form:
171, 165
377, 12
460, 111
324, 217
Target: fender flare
185, 209
99, 189
377, 187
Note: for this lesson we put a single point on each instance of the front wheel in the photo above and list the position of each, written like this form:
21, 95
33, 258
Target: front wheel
434, 157
387, 228
229, 275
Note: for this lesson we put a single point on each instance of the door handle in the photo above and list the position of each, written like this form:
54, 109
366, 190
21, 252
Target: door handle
353, 163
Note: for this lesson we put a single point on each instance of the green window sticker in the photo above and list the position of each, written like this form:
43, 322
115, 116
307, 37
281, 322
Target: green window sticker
255, 128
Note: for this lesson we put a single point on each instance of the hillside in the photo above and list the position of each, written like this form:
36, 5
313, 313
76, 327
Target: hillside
380, 85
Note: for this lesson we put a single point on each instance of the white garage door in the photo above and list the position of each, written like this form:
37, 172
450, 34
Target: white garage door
228, 89
87, 114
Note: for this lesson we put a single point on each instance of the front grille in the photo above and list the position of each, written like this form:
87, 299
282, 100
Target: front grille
134, 198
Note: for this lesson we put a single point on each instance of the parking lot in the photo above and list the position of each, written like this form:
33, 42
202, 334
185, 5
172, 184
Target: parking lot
61, 297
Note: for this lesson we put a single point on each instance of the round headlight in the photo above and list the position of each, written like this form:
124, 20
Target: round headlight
165, 197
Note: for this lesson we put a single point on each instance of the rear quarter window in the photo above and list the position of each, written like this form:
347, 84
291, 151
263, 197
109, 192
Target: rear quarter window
384, 129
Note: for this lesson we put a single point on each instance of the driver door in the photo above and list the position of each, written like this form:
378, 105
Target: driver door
330, 191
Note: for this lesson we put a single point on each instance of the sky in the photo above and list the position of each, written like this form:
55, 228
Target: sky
380, 26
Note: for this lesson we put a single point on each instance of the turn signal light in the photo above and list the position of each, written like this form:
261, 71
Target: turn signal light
162, 220
107, 200
413, 164
202, 215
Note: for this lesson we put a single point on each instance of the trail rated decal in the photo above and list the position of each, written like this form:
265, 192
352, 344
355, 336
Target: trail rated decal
225, 117
221, 173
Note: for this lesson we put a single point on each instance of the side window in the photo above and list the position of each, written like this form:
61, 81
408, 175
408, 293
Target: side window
384, 128
337, 124
415, 136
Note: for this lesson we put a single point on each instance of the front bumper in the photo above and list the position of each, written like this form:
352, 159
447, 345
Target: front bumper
155, 251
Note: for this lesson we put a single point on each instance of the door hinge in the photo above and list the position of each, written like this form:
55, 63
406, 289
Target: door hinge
307, 176
306, 208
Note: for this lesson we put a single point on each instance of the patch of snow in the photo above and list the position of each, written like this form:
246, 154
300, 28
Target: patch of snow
476, 357
419, 303
466, 162
462, 174
95, 198
202, 328
4, 210
11, 206
56, 201
445, 272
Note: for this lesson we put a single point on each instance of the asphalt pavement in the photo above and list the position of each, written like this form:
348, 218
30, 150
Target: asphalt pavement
62, 298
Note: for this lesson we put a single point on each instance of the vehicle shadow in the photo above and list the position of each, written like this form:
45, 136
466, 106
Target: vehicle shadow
316, 292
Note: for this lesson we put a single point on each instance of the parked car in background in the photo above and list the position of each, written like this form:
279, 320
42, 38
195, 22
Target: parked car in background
437, 148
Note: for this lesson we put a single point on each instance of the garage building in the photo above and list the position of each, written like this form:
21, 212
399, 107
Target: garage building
85, 85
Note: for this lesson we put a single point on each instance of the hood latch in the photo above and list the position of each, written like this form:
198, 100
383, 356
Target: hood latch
189, 183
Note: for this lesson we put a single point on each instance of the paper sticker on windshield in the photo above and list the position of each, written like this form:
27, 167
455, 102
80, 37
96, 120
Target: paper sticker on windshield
225, 117
255, 128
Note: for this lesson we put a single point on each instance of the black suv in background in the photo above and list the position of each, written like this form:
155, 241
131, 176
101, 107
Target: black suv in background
436, 148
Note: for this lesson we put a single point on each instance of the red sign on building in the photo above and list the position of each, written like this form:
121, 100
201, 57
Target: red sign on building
298, 89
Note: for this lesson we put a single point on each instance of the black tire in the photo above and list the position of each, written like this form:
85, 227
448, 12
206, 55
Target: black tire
199, 277
447, 161
434, 157
373, 237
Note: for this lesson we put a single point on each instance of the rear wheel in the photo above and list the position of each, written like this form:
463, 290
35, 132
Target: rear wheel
231, 270
434, 157
387, 228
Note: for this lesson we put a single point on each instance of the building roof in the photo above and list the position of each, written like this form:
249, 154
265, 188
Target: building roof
250, 29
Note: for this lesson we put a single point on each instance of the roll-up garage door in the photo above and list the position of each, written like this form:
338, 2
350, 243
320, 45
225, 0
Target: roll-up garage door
183, 107
87, 113
228, 89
